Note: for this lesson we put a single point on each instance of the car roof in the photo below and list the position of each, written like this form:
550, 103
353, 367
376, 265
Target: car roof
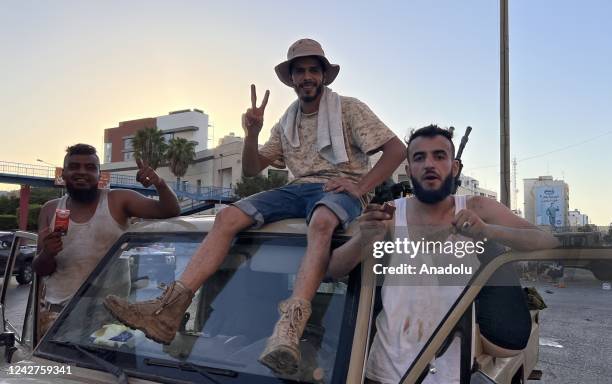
203, 223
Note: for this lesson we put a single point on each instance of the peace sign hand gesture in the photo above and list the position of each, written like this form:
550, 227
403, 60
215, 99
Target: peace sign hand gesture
146, 175
252, 120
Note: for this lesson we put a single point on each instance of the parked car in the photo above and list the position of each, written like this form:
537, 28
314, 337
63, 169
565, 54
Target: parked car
225, 328
153, 261
23, 263
6, 239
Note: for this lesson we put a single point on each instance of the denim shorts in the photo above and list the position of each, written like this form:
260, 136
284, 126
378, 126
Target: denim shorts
298, 201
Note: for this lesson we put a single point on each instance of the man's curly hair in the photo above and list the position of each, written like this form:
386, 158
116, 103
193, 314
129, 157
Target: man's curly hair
432, 130
80, 149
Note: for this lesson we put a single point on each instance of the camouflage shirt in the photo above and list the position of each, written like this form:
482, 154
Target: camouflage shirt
364, 134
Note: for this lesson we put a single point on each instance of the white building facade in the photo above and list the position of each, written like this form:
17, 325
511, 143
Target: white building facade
546, 201
577, 219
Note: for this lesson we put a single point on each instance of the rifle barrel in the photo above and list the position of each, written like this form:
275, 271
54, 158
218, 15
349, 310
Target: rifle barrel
464, 141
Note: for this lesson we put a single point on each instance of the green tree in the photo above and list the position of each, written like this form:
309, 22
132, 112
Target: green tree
42, 195
8, 222
149, 146
8, 205
180, 153
33, 212
276, 180
248, 186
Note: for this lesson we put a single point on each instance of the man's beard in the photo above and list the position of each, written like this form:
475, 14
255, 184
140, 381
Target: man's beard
436, 195
82, 195
308, 99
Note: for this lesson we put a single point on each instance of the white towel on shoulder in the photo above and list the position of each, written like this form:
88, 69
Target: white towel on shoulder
330, 136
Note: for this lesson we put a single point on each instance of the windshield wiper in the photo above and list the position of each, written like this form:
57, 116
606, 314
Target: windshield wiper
191, 367
101, 363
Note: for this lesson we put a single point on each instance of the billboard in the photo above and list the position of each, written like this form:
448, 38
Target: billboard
550, 206
104, 182
59, 181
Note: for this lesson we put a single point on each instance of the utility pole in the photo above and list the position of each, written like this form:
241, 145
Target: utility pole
504, 101
515, 189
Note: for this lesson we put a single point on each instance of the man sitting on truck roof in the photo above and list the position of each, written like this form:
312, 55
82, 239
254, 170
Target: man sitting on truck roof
324, 139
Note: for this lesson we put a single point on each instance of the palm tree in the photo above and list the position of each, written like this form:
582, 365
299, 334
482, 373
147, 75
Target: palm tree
149, 146
180, 154
248, 186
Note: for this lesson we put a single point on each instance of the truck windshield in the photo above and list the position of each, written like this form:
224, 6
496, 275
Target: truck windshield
225, 328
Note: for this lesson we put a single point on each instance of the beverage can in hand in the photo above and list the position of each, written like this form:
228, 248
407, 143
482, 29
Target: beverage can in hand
62, 218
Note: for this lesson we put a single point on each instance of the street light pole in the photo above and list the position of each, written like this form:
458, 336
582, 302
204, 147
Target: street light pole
44, 162
504, 100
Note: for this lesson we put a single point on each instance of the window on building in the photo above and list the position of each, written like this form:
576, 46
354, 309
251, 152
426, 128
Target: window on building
127, 156
128, 145
108, 152
226, 177
168, 137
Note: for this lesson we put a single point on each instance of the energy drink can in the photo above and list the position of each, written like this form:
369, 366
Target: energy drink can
62, 218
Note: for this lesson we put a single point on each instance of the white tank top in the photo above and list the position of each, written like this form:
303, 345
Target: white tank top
409, 316
83, 247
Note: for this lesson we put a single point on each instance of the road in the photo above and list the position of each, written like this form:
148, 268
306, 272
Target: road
16, 300
575, 337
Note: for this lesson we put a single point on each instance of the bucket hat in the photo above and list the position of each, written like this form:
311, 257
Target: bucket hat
303, 48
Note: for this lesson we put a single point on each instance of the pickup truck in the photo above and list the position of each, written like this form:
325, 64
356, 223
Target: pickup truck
225, 328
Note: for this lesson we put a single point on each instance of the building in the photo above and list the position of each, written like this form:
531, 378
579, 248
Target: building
517, 212
577, 219
214, 167
189, 124
546, 201
399, 174
13, 193
471, 186
219, 166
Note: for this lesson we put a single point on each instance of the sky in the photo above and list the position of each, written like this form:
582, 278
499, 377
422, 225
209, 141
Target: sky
70, 69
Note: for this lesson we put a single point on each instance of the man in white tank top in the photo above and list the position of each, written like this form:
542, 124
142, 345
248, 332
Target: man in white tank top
98, 217
411, 312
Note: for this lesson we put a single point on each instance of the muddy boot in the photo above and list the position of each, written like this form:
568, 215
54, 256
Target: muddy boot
159, 318
282, 353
